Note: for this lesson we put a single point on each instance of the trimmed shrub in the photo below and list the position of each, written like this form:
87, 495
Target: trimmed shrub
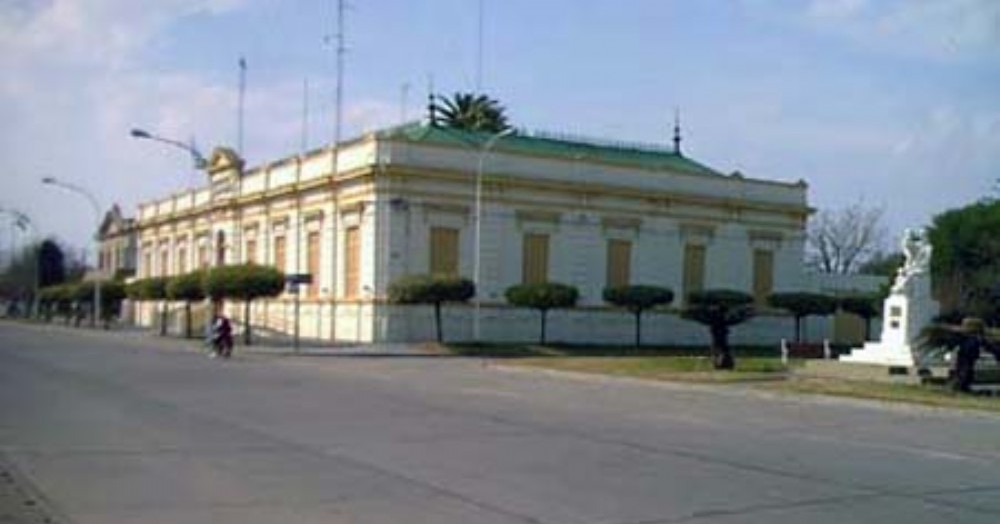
637, 299
543, 297
719, 310
246, 282
147, 289
428, 289
187, 288
802, 305
864, 306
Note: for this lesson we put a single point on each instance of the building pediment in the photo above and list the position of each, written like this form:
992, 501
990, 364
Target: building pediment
113, 222
224, 170
224, 159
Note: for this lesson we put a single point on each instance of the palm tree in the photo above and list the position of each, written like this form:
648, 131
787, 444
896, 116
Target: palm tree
472, 112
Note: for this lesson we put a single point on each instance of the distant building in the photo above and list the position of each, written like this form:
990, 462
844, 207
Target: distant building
402, 200
118, 244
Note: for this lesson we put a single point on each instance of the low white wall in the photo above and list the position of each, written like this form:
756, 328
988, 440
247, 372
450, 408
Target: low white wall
392, 323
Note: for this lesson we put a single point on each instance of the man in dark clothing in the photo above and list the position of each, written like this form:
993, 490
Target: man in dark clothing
968, 353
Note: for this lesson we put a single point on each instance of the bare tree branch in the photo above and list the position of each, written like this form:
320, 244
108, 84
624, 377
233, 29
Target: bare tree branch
841, 240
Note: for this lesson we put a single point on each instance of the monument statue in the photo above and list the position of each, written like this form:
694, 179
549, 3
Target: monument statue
917, 251
908, 308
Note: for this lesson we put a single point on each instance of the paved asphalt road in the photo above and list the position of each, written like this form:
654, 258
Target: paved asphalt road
114, 428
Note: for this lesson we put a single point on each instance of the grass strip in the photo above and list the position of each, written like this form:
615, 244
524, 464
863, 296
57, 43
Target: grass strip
927, 395
682, 369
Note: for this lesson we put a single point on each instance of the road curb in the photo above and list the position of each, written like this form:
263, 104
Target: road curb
737, 391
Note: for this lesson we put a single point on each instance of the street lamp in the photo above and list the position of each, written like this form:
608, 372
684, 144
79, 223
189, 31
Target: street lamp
199, 160
483, 152
97, 220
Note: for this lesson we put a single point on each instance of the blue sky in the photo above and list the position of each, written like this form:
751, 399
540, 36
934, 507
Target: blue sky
895, 103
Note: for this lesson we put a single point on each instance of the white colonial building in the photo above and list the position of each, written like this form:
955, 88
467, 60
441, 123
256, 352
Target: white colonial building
403, 200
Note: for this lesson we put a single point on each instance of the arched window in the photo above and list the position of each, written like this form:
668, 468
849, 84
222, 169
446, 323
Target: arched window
220, 248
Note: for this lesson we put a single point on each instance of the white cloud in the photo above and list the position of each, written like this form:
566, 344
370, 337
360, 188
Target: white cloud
941, 30
836, 9
75, 83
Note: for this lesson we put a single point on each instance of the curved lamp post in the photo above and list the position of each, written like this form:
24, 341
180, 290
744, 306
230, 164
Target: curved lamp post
97, 220
483, 152
199, 160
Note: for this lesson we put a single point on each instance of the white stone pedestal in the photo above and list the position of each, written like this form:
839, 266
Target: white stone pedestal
905, 313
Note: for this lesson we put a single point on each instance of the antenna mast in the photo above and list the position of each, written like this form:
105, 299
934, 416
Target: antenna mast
239, 116
305, 115
479, 52
339, 96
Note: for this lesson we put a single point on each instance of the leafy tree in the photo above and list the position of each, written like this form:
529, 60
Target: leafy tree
52, 264
965, 264
719, 309
882, 264
18, 278
839, 241
427, 289
56, 299
472, 112
151, 288
187, 288
245, 282
637, 299
803, 305
112, 294
864, 306
543, 297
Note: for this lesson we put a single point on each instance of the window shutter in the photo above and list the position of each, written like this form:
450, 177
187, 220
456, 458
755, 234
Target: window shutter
763, 275
352, 262
535, 262
444, 251
279, 253
694, 268
619, 263
312, 245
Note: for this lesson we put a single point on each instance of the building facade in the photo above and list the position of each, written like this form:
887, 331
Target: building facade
118, 244
404, 200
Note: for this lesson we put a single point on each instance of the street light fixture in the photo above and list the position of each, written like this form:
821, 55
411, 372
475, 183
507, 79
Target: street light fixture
199, 160
97, 220
483, 152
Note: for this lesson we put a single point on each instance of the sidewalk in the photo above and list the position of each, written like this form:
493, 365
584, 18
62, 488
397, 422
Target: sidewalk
261, 346
20, 501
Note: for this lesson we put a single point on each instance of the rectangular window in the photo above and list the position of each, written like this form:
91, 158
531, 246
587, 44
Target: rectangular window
444, 251
181, 261
251, 252
203, 255
312, 252
147, 264
694, 269
279, 253
164, 263
619, 262
535, 259
352, 262
763, 275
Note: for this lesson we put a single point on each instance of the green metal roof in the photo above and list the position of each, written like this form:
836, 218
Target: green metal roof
649, 157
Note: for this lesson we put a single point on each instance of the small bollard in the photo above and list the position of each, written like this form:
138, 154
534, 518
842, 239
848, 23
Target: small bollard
784, 352
826, 349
